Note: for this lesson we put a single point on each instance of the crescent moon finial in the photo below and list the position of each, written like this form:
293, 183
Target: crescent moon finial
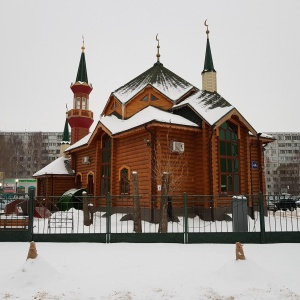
157, 55
207, 31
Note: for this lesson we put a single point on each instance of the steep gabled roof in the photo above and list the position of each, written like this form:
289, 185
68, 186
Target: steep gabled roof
114, 125
60, 166
148, 114
162, 79
212, 108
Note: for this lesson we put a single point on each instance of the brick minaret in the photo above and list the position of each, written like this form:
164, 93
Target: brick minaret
80, 117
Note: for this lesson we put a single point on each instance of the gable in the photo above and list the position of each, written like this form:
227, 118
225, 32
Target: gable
160, 78
147, 97
188, 113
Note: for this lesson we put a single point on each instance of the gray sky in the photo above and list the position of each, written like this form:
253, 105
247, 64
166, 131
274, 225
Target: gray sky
255, 47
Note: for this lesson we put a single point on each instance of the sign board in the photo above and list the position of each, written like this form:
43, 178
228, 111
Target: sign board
254, 165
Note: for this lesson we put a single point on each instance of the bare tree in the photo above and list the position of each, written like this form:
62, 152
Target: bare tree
171, 169
171, 162
163, 222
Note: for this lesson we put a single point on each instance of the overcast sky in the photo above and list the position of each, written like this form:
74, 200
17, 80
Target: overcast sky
255, 48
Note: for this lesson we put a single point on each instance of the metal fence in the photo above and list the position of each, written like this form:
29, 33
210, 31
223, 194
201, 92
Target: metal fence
110, 219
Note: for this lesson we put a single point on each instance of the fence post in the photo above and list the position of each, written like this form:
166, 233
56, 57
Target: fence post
137, 220
87, 221
185, 218
261, 217
30, 214
108, 217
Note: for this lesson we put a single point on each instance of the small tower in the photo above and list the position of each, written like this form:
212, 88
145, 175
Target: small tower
65, 143
80, 117
209, 74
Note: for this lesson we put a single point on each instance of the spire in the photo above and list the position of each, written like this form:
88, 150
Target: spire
65, 143
209, 77
66, 134
82, 72
208, 63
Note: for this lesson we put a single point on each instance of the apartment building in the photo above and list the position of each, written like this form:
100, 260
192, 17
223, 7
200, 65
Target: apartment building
282, 163
24, 153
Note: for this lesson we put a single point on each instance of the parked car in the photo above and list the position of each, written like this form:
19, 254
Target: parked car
271, 204
285, 204
3, 203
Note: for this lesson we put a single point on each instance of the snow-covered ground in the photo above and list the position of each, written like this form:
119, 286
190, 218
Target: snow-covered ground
149, 271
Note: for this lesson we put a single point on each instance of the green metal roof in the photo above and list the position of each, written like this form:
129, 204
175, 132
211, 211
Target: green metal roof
82, 72
66, 134
165, 81
208, 63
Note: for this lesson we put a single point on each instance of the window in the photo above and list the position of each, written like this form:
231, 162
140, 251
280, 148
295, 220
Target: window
124, 181
145, 98
78, 181
90, 187
78, 102
229, 160
153, 98
105, 166
83, 103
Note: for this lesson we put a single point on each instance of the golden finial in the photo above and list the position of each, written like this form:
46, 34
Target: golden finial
207, 31
83, 44
157, 55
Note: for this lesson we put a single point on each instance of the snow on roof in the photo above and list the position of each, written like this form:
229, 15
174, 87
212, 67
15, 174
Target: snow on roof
148, 114
265, 135
79, 143
210, 106
162, 79
60, 166
268, 136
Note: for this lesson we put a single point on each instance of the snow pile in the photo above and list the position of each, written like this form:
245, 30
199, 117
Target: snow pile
149, 271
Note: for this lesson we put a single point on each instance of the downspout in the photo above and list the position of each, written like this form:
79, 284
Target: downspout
52, 185
211, 204
251, 182
122, 111
153, 188
259, 162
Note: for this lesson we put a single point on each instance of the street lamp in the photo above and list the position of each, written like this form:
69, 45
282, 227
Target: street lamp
17, 180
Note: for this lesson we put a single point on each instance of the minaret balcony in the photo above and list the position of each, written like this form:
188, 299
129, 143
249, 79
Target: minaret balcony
80, 113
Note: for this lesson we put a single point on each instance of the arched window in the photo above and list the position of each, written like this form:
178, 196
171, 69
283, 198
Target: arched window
124, 181
105, 165
229, 159
90, 187
78, 181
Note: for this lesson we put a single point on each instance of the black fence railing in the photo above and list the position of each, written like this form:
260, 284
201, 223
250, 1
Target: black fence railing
114, 218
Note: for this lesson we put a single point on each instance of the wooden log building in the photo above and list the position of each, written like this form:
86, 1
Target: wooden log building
158, 122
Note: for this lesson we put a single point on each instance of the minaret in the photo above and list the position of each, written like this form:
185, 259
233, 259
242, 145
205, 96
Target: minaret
65, 143
209, 74
80, 117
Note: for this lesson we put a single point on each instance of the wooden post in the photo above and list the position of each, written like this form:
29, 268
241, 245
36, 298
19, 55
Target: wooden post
32, 253
86, 214
137, 222
163, 222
